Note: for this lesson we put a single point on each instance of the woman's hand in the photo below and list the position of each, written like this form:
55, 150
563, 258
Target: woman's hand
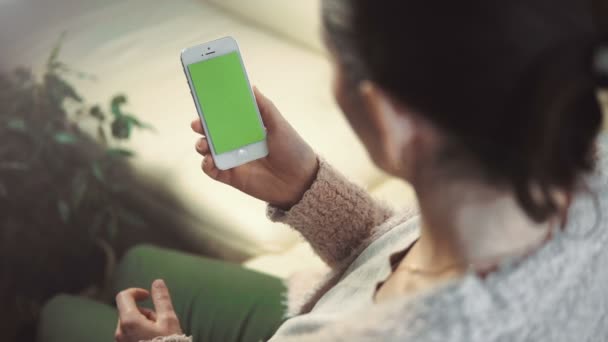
283, 176
140, 324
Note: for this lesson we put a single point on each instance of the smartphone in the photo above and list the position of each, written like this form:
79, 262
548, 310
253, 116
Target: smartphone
225, 102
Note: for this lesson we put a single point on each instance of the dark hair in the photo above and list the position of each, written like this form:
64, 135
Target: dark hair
509, 83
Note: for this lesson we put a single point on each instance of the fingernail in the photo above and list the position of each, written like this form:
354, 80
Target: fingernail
158, 283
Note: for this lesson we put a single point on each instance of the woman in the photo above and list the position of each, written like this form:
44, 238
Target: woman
488, 109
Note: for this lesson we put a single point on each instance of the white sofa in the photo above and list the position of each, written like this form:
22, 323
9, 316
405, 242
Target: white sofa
134, 46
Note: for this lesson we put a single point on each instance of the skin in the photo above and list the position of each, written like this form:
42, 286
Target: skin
465, 223
282, 177
140, 324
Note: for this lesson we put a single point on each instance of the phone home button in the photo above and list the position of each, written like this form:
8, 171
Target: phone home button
242, 153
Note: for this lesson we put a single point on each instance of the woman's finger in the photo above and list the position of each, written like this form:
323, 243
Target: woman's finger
202, 146
270, 113
197, 126
150, 314
209, 167
126, 303
162, 300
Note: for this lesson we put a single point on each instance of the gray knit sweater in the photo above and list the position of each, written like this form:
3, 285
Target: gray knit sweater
559, 293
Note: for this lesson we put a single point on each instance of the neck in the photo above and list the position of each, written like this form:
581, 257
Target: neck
472, 224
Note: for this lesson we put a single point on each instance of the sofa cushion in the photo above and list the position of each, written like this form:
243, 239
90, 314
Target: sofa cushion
299, 21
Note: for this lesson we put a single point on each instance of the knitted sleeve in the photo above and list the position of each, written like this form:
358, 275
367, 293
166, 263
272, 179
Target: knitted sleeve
172, 338
335, 216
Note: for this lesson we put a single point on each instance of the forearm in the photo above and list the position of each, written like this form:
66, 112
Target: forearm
334, 215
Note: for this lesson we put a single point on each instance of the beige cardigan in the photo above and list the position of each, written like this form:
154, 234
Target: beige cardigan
556, 294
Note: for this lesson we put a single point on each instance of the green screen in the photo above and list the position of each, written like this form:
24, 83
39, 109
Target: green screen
223, 94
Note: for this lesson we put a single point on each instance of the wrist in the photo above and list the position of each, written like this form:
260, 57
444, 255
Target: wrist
305, 182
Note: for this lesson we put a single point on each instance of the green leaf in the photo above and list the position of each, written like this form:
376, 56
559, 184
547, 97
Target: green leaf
65, 138
97, 171
135, 122
59, 66
117, 102
96, 112
120, 152
17, 125
130, 218
79, 189
64, 211
59, 89
56, 49
121, 128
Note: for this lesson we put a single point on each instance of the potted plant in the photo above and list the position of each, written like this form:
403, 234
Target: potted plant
61, 185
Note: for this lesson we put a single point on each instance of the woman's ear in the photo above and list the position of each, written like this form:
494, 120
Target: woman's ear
395, 126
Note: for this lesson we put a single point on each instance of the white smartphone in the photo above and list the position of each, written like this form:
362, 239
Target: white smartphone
225, 102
